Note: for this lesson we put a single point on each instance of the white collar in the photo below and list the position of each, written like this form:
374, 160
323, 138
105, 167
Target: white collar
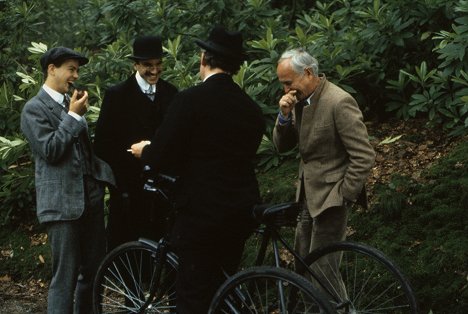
58, 97
309, 99
144, 85
208, 76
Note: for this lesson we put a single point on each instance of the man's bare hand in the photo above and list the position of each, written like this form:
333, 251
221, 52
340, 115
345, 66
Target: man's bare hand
79, 102
287, 102
137, 148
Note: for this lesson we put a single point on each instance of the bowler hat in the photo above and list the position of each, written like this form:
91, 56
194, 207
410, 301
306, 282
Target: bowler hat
224, 43
147, 47
56, 54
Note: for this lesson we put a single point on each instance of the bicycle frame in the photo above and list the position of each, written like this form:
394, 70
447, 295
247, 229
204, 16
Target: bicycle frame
272, 234
162, 249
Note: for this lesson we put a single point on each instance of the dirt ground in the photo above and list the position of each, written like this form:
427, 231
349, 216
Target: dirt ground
418, 147
25, 297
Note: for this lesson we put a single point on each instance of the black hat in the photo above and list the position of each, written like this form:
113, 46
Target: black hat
61, 53
224, 43
147, 47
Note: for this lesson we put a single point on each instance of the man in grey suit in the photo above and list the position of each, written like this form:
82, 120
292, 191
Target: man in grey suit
70, 181
336, 156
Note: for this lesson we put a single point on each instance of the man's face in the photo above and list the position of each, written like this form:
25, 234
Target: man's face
150, 70
303, 83
60, 78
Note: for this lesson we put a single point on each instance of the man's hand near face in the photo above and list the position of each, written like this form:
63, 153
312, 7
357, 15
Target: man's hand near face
79, 105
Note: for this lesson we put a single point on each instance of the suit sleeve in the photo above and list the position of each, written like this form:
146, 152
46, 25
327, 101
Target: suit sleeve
353, 134
169, 146
284, 136
108, 140
46, 140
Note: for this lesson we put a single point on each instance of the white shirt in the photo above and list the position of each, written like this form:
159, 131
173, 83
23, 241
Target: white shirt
144, 85
58, 97
208, 76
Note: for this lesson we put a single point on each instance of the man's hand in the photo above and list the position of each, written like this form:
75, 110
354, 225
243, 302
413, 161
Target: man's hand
137, 148
287, 103
79, 102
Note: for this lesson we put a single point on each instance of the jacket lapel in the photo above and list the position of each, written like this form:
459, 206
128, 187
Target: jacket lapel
50, 103
306, 113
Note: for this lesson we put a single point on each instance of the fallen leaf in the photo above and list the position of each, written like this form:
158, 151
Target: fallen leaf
5, 278
7, 253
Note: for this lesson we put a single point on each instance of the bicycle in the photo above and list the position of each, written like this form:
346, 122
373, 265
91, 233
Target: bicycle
139, 277
266, 289
368, 282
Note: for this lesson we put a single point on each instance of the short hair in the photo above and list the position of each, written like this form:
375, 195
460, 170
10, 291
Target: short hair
229, 65
301, 60
57, 64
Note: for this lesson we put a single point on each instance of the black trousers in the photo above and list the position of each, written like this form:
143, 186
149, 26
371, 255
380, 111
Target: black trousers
135, 215
201, 269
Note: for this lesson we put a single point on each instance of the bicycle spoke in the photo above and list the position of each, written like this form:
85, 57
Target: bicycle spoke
125, 282
370, 282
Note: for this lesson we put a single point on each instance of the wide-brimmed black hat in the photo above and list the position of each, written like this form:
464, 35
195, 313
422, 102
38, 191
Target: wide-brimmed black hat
224, 43
147, 47
59, 54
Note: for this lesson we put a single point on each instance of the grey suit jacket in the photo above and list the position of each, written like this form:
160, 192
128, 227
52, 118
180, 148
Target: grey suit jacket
336, 156
57, 141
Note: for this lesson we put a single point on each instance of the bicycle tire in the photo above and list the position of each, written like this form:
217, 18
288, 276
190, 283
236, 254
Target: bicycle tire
266, 289
373, 283
124, 282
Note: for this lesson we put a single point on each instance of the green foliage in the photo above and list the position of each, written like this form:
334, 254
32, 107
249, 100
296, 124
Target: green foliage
403, 58
269, 157
440, 93
392, 198
24, 257
423, 228
278, 185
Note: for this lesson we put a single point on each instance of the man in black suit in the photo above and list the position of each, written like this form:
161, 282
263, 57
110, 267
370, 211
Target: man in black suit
211, 134
130, 112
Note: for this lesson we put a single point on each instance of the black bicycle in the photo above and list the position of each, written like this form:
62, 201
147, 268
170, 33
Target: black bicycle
354, 278
139, 277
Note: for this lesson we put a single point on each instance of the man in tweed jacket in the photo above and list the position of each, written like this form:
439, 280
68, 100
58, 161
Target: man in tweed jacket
336, 156
69, 182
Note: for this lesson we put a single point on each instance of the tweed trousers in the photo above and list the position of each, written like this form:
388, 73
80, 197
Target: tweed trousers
324, 229
78, 247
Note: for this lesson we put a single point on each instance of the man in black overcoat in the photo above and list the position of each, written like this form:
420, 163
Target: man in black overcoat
211, 133
130, 112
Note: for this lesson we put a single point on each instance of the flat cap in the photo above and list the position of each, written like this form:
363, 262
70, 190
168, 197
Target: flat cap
61, 53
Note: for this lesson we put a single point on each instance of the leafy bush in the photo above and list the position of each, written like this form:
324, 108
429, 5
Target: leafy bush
398, 58
427, 235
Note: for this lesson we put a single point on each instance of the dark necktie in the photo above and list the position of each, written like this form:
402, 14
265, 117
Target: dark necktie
299, 107
66, 102
149, 92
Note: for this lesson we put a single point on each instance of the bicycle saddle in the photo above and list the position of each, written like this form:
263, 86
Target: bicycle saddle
284, 214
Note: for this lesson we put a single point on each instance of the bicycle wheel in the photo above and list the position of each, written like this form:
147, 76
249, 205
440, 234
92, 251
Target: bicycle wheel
267, 289
367, 281
125, 281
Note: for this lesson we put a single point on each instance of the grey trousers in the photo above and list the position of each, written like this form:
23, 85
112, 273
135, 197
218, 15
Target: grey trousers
326, 228
78, 247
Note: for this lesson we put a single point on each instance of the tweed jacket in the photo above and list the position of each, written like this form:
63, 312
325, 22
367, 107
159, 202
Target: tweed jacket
128, 116
57, 141
336, 156
211, 135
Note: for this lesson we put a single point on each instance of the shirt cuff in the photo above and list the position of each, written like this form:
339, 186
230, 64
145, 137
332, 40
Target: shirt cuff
284, 120
75, 115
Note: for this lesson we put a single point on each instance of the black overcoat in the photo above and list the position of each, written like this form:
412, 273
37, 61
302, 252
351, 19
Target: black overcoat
128, 116
211, 135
